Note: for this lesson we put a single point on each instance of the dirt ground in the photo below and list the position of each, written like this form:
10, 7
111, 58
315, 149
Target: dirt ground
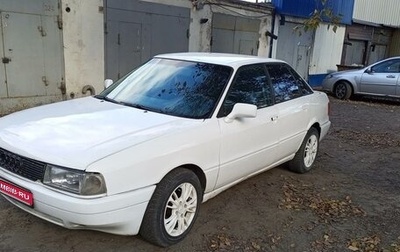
349, 202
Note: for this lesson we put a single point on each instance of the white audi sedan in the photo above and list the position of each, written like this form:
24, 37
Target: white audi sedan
140, 157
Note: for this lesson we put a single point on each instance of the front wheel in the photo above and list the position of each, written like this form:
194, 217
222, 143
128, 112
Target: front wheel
305, 156
342, 90
173, 208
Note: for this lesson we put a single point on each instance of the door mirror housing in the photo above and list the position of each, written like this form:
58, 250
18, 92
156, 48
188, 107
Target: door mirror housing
241, 110
368, 70
107, 83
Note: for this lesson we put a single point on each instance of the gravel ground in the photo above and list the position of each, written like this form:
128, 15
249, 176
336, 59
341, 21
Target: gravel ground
348, 202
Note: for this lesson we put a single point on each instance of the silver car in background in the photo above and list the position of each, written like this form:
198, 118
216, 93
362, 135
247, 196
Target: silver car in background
381, 79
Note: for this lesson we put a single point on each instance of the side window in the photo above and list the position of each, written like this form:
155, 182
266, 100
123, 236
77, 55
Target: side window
286, 83
249, 86
390, 66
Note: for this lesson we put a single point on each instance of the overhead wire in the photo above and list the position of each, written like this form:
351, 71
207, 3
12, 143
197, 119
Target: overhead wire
224, 6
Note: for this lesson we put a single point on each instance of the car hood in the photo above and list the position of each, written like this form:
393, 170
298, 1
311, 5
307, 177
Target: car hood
79, 132
349, 72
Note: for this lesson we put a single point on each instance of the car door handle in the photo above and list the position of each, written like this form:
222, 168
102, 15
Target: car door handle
390, 76
274, 118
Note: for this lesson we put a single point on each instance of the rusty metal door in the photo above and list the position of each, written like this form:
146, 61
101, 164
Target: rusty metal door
355, 52
377, 53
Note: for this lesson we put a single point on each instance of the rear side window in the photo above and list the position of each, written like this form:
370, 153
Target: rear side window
286, 83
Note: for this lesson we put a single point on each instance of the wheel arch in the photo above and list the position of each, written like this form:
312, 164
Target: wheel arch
317, 127
196, 170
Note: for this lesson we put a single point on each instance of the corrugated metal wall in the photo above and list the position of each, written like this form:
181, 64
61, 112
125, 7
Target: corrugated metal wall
304, 8
379, 12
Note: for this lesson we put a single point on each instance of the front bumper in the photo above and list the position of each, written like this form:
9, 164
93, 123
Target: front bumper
118, 214
328, 84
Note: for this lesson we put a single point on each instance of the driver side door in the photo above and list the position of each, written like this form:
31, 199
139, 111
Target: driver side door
382, 79
247, 144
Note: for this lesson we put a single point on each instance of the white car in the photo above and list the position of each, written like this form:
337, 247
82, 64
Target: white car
141, 156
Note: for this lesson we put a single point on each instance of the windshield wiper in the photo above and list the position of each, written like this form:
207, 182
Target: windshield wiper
105, 98
146, 108
133, 105
136, 105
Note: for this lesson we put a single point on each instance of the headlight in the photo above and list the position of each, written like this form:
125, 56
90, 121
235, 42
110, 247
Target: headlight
75, 181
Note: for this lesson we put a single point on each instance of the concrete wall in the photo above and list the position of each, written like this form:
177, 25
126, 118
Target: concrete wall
83, 33
200, 33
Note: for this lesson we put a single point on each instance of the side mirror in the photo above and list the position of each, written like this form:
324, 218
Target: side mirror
368, 70
241, 110
107, 83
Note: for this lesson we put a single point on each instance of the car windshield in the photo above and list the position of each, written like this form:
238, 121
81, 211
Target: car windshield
174, 87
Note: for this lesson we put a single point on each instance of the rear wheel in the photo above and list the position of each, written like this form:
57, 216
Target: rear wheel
305, 156
342, 90
173, 208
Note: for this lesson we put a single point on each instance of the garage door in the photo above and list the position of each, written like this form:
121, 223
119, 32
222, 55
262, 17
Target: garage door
136, 31
295, 48
30, 49
232, 34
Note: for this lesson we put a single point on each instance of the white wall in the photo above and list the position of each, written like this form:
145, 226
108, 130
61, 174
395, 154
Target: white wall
83, 34
327, 50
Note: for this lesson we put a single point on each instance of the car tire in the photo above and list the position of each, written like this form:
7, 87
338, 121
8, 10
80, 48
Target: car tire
342, 90
164, 226
306, 155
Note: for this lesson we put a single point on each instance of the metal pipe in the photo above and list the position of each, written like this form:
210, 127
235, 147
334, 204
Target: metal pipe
88, 88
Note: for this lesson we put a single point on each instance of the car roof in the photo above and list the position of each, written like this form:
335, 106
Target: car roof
233, 60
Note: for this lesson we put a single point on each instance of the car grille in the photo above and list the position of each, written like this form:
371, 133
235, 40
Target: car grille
25, 167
